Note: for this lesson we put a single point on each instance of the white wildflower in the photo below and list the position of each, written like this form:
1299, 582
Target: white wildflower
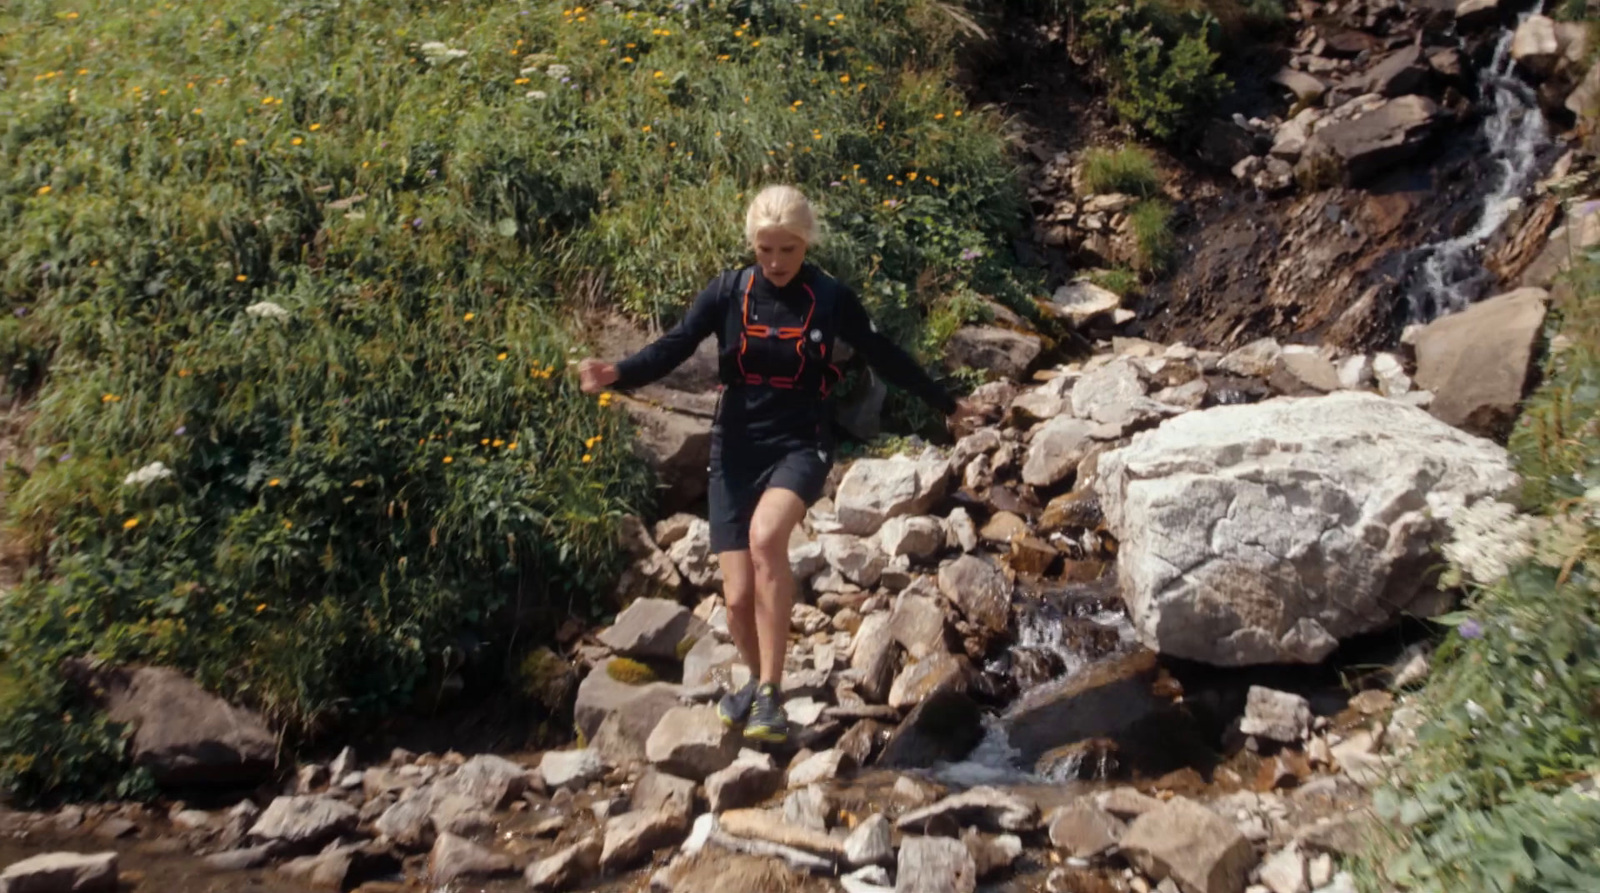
266, 310
151, 473
1476, 711
1488, 537
530, 71
537, 94
436, 52
558, 71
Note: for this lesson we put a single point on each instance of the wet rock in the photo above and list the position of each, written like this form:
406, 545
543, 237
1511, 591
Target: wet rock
758, 824
1397, 74
631, 837
453, 857
748, 781
859, 560
1362, 146
979, 589
341, 868
1077, 509
1534, 45
1265, 533
989, 808
875, 490
945, 726
409, 822
600, 696
242, 859
1276, 715
1080, 301
61, 872
304, 821
919, 538
1031, 556
571, 768
1003, 527
692, 742
1477, 361
182, 734
567, 868
1194, 846
870, 843
991, 855
921, 678
1004, 352
935, 865
1085, 831
676, 444
1474, 14
652, 628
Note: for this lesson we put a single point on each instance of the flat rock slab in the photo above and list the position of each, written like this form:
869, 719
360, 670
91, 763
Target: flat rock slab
61, 872
744, 783
762, 825
986, 807
631, 837
1194, 846
306, 821
652, 628
935, 865
692, 742
454, 857
567, 868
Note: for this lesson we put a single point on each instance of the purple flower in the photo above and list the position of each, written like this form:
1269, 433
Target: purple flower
20, 312
417, 223
181, 430
46, 267
971, 254
64, 457
835, 184
1470, 629
567, 80
433, 172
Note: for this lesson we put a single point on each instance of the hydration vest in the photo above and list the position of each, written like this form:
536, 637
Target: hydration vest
778, 346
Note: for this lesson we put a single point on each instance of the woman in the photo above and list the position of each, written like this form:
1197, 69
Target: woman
771, 447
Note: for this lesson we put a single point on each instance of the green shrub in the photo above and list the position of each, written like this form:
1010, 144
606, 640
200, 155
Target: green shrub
1151, 223
317, 259
1129, 170
1157, 59
1513, 706
1123, 282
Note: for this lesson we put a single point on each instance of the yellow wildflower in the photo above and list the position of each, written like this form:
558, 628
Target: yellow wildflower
468, 317
939, 117
315, 127
911, 176
261, 607
449, 459
627, 60
44, 190
498, 443
274, 482
199, 111
587, 457
483, 442
240, 278
512, 445
520, 81
296, 141
658, 73
130, 523
239, 142
501, 356
844, 78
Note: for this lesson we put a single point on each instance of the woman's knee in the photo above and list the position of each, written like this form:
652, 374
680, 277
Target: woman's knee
769, 546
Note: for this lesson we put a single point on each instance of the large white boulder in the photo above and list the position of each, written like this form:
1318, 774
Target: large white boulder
1265, 533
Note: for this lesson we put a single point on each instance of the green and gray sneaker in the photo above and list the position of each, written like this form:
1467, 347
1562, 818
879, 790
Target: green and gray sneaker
734, 708
767, 721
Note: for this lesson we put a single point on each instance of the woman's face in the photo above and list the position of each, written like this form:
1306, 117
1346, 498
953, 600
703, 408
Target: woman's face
780, 253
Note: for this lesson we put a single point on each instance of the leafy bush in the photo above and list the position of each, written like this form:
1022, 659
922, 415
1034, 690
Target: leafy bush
317, 260
1151, 223
1129, 170
1157, 60
1513, 708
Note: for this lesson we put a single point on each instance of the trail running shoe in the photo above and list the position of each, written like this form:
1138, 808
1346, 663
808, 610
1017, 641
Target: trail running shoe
734, 708
767, 720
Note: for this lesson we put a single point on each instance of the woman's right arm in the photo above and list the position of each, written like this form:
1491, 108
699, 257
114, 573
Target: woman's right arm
663, 355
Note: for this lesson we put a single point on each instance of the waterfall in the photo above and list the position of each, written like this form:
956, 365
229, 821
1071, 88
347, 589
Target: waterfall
1451, 273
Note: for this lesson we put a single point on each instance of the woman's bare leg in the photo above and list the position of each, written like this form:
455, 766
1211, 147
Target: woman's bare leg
775, 518
739, 592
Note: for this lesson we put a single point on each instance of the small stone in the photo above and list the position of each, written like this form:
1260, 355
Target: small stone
870, 843
453, 857
304, 821
991, 854
692, 742
935, 865
571, 768
567, 868
1085, 831
1285, 871
987, 807
1277, 715
823, 766
630, 838
746, 782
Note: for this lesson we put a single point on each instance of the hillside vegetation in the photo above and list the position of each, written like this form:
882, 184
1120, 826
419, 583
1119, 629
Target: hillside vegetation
290, 283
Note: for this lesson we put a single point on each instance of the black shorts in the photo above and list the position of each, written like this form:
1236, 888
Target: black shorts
741, 472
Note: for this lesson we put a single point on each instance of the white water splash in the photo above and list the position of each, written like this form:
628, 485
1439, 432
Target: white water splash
992, 762
1452, 274
1040, 632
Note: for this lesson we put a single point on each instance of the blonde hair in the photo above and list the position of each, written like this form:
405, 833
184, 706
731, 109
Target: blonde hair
781, 207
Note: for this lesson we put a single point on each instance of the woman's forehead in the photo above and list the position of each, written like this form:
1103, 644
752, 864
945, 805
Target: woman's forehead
773, 237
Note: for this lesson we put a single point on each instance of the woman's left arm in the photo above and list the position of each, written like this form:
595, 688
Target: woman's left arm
886, 357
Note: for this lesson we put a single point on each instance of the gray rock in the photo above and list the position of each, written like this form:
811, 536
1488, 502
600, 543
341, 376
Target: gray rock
1305, 87
1084, 831
1276, 715
1534, 44
1254, 360
342, 765
487, 780
819, 767
1265, 533
917, 624
652, 628
797, 859
1401, 72
692, 742
61, 872
304, 821
1474, 14
676, 444
600, 696
979, 589
875, 490
1056, 450
960, 532
1126, 803
1285, 871
567, 868
1376, 141
692, 556
870, 843
919, 537
807, 807
872, 656
945, 726
1300, 368
571, 768
242, 859
409, 822
1080, 301
1194, 846
935, 865
183, 734
747, 782
921, 678
631, 837
453, 858
622, 735
1114, 394
991, 854
859, 560
657, 791
1477, 361
986, 807
341, 868
757, 824
1006, 353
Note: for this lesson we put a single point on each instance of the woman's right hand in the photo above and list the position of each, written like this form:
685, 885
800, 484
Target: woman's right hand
595, 375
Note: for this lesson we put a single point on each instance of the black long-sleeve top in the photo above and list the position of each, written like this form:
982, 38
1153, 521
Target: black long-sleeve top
768, 413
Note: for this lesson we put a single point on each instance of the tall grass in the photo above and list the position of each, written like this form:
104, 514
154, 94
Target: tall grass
1151, 224
1491, 798
1129, 170
318, 260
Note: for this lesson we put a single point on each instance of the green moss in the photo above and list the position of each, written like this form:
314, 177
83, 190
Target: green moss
685, 646
629, 671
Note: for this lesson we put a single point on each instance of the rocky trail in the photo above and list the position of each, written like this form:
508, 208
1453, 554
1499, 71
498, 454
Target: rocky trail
1149, 627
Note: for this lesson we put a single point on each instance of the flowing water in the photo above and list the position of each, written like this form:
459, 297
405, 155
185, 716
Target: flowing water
1451, 273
